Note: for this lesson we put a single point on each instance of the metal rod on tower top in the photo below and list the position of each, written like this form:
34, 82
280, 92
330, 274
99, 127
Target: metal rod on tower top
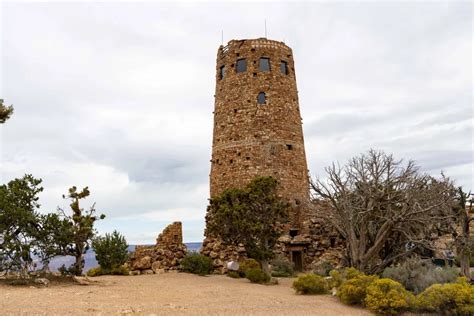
265, 28
222, 37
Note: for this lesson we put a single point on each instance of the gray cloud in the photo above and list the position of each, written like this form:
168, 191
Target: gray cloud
119, 96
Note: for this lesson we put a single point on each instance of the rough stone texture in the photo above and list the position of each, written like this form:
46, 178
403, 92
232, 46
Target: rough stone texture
252, 139
164, 256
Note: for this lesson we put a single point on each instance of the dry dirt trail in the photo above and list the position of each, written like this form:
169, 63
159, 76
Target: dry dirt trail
168, 294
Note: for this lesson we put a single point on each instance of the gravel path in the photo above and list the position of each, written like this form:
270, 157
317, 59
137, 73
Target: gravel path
168, 294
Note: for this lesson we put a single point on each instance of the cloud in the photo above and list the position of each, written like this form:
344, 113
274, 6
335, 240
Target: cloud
119, 96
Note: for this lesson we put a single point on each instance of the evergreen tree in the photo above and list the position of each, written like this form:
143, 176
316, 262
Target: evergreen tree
252, 216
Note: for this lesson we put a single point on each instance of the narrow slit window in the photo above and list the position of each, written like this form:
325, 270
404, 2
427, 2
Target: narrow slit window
284, 67
264, 64
221, 72
241, 65
289, 146
262, 98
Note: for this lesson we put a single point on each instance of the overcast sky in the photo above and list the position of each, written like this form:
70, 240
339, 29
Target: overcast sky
119, 96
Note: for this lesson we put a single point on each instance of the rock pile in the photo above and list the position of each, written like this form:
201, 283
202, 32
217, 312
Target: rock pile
164, 256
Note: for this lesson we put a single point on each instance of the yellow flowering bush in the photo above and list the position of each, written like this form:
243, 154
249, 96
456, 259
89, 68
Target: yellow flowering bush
351, 273
354, 290
388, 297
451, 298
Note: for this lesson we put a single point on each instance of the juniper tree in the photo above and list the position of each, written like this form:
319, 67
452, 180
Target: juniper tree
111, 251
252, 216
5, 112
70, 235
19, 223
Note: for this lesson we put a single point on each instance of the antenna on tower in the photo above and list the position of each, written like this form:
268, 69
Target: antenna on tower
265, 28
222, 37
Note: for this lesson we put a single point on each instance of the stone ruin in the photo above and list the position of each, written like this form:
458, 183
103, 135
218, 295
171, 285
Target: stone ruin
166, 255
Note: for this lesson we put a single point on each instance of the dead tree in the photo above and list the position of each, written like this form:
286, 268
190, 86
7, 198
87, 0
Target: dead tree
384, 210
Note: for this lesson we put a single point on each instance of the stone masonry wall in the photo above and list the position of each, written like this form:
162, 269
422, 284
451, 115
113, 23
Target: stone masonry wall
164, 256
251, 139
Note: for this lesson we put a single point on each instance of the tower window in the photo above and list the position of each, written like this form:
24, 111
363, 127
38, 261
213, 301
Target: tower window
221, 72
241, 65
284, 67
262, 98
264, 64
289, 146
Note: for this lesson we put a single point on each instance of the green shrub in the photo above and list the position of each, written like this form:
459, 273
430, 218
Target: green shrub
452, 299
111, 251
388, 297
92, 272
233, 274
311, 284
248, 264
417, 275
323, 268
354, 290
257, 276
197, 264
282, 267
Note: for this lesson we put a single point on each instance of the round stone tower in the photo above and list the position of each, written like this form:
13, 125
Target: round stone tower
257, 121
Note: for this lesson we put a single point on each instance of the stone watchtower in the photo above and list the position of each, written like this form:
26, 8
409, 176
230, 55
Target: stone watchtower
257, 122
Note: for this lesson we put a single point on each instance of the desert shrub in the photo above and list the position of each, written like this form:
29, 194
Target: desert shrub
335, 280
119, 270
197, 264
354, 290
111, 251
96, 271
282, 267
448, 299
311, 284
248, 264
416, 275
350, 273
72, 270
323, 268
256, 275
233, 274
388, 297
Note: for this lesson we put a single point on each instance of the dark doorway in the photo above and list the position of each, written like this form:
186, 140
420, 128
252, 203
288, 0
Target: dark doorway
297, 259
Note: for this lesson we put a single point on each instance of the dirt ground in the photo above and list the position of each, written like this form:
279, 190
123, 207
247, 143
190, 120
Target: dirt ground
168, 294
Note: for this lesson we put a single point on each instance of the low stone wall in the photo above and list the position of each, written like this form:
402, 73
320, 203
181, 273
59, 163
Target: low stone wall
221, 254
164, 256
